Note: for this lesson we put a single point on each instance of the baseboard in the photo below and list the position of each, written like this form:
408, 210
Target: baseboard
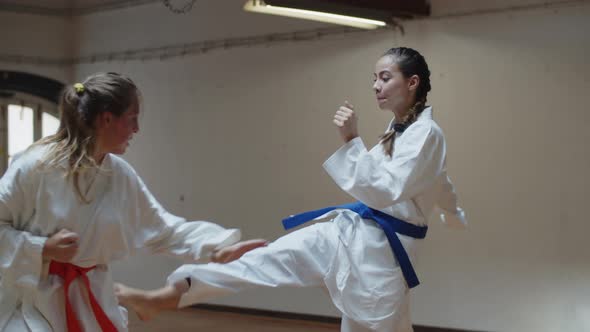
305, 317
269, 313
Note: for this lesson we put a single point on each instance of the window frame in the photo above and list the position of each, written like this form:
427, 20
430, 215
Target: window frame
37, 104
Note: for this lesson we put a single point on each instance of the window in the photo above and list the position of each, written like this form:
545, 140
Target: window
20, 129
24, 119
50, 124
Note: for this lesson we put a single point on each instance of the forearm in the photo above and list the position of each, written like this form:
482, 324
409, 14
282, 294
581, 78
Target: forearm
196, 241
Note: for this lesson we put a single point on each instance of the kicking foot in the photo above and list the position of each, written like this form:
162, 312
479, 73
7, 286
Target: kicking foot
141, 301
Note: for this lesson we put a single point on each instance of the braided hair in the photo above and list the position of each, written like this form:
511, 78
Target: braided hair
410, 63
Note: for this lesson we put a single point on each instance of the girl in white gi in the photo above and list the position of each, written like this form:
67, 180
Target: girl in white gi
363, 255
69, 207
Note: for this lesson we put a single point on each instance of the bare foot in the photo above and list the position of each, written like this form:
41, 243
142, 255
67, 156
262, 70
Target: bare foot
138, 300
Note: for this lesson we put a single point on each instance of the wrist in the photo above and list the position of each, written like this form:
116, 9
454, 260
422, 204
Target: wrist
350, 138
214, 256
47, 253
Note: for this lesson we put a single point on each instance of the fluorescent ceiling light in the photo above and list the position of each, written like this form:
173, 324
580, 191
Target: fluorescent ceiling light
259, 6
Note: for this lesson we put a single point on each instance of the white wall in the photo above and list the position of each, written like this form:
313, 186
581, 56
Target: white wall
512, 89
34, 35
189, 105
242, 129
236, 130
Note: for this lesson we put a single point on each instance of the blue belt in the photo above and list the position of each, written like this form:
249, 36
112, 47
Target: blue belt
390, 225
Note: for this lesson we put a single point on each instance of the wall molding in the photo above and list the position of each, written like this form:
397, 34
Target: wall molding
186, 49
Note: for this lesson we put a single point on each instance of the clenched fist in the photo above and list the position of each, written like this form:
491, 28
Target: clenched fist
61, 246
346, 121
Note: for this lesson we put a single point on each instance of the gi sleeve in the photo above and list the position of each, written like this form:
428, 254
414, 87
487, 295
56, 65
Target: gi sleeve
162, 232
380, 183
21, 252
451, 214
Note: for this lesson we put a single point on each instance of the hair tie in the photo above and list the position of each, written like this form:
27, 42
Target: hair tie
400, 127
79, 87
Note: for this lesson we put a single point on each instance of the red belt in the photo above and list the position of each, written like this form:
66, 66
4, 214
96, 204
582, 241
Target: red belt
68, 272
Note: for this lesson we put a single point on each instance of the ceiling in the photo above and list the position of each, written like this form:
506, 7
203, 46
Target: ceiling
65, 4
74, 7
68, 7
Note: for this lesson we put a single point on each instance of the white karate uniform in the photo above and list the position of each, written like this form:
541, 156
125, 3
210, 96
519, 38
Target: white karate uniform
121, 218
351, 256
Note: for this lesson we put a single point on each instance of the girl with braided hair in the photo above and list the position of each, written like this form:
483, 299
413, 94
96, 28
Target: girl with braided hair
69, 206
363, 255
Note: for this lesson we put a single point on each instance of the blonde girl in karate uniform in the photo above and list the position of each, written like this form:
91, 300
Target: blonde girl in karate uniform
363, 254
69, 206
